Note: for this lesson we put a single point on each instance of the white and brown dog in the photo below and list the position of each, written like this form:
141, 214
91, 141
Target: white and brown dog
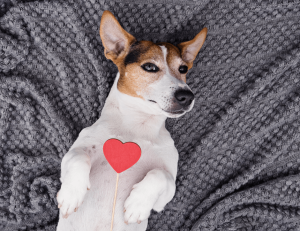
150, 86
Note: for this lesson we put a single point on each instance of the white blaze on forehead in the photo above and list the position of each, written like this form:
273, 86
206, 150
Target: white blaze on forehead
165, 51
171, 78
180, 83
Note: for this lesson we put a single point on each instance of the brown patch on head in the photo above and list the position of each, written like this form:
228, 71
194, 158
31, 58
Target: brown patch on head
133, 78
174, 61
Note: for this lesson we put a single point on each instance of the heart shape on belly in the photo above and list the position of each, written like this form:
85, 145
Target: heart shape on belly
121, 156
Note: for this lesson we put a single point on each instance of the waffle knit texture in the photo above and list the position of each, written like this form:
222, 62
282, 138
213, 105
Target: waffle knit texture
239, 147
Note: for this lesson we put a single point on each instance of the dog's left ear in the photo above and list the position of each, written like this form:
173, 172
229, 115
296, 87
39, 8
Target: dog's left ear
190, 49
115, 39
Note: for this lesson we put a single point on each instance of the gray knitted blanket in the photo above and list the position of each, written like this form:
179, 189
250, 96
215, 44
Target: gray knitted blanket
239, 148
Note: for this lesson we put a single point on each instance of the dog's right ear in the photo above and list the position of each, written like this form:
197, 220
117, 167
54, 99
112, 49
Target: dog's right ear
115, 39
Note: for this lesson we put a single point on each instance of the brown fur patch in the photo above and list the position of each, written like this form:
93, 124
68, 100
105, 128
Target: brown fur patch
133, 78
174, 61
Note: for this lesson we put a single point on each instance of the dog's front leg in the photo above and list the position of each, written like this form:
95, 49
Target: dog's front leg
153, 192
75, 170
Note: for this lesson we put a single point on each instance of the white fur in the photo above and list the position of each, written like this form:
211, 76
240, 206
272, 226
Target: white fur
149, 184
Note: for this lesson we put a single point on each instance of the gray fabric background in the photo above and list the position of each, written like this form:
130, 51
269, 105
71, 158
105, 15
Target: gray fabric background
239, 147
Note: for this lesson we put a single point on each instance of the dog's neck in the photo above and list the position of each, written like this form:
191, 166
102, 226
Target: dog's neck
131, 114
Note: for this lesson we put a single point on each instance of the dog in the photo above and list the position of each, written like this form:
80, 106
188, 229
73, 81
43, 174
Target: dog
149, 87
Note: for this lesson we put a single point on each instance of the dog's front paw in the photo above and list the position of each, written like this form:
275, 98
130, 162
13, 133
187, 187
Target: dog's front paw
71, 196
138, 205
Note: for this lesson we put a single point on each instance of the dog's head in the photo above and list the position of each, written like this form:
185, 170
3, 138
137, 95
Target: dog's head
154, 72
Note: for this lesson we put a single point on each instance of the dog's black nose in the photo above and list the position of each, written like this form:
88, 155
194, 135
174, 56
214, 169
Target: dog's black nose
184, 97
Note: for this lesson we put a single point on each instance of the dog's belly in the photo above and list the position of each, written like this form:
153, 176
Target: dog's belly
96, 211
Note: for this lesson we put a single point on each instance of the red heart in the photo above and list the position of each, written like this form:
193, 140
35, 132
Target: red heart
121, 156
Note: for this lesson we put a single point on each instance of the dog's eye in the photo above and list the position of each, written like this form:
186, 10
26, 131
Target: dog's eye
150, 67
183, 69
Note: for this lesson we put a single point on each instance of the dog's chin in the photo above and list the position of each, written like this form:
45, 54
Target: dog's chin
175, 114
170, 113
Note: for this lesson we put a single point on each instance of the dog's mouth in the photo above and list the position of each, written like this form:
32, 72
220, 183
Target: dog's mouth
176, 112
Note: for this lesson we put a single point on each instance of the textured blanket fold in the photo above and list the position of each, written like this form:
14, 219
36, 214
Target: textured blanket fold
239, 166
